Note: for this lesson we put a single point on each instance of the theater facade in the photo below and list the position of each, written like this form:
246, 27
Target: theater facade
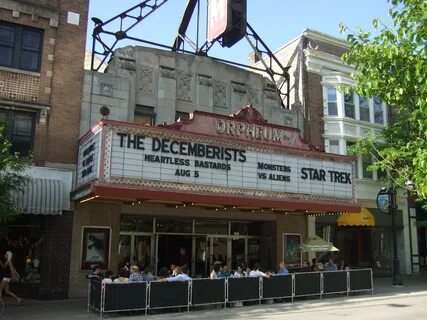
213, 187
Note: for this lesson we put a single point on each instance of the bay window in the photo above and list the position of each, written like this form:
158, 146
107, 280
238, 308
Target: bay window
332, 102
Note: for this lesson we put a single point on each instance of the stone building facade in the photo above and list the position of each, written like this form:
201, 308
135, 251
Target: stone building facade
41, 74
149, 205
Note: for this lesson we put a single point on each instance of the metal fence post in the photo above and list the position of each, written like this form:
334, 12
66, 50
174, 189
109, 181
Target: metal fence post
348, 283
321, 285
102, 304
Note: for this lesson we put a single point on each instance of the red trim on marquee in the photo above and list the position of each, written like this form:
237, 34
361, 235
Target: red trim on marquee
202, 124
140, 193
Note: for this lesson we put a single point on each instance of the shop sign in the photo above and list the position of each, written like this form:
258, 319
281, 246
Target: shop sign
88, 164
218, 18
163, 159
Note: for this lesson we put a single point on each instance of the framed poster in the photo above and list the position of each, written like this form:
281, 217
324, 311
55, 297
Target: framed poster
95, 247
292, 249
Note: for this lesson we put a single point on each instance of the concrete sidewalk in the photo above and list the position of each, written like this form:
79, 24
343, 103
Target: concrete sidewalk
74, 309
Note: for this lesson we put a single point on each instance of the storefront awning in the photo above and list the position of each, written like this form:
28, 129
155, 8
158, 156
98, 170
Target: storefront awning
41, 196
364, 218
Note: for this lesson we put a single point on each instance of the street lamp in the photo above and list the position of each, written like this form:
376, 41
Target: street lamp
386, 202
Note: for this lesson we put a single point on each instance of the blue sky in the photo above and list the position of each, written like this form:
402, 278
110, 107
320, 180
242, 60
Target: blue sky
276, 21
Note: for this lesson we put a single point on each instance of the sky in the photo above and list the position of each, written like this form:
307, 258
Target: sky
275, 21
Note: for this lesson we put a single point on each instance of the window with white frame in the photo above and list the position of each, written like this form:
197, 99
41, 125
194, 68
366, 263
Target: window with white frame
349, 109
349, 105
378, 111
349, 144
332, 102
334, 146
364, 109
366, 162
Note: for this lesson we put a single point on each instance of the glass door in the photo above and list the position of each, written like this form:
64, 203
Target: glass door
143, 251
253, 251
200, 256
125, 248
135, 248
219, 251
238, 252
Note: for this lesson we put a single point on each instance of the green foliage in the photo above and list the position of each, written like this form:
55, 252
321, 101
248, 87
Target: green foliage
11, 178
392, 64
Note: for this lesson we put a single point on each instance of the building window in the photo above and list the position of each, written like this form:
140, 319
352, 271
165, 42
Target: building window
364, 109
349, 110
332, 102
334, 146
381, 175
349, 144
144, 115
378, 111
181, 115
366, 162
19, 130
20, 47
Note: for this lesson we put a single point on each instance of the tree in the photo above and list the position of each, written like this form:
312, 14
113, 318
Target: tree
392, 65
12, 178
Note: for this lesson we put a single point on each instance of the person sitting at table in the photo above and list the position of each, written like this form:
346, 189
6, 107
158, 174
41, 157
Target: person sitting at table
257, 273
331, 266
148, 274
344, 265
163, 273
96, 273
282, 269
135, 275
123, 277
224, 273
216, 270
108, 277
239, 273
181, 274
314, 265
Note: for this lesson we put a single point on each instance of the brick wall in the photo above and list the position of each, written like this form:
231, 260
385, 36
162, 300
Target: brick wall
67, 84
55, 261
313, 124
58, 85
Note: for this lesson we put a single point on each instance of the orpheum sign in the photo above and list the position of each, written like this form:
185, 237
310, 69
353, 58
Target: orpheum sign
238, 155
250, 131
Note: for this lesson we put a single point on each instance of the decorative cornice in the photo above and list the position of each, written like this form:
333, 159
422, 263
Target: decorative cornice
325, 63
249, 114
320, 36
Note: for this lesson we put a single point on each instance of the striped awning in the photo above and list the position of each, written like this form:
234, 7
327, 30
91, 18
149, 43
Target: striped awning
41, 196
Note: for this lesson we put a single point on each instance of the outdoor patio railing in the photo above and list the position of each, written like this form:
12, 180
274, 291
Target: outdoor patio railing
143, 296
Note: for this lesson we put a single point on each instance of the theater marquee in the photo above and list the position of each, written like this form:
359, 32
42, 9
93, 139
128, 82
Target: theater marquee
240, 155
137, 156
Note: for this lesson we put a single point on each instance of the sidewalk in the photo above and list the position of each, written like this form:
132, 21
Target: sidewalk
75, 309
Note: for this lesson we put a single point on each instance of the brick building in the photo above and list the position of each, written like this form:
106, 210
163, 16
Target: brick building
41, 73
333, 121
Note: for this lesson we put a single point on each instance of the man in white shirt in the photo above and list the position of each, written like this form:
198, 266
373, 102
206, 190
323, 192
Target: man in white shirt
257, 273
181, 275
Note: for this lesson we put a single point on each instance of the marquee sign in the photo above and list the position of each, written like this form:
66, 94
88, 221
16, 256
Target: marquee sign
240, 155
145, 157
212, 161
